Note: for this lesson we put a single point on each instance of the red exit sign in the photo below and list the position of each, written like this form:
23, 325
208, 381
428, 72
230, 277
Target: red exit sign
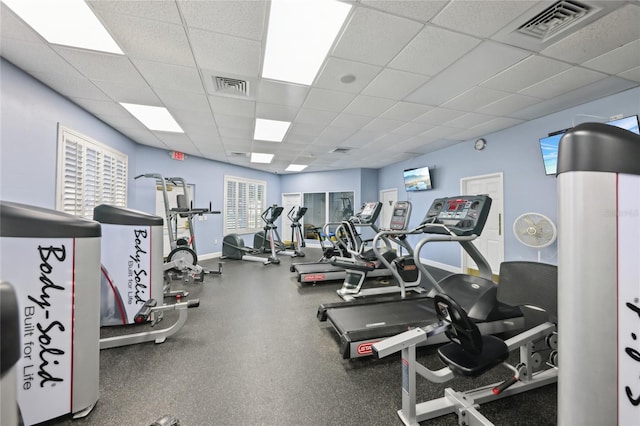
176, 155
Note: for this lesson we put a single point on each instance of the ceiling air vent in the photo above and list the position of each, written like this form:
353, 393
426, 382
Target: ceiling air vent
555, 19
238, 154
340, 150
231, 86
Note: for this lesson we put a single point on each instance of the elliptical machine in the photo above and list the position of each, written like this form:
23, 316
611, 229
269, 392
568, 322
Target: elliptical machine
297, 239
263, 242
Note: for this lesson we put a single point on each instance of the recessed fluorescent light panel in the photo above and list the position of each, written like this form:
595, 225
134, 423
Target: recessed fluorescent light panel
257, 157
296, 167
270, 130
68, 22
154, 118
300, 36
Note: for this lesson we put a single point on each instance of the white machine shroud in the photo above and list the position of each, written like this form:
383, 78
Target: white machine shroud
628, 216
42, 272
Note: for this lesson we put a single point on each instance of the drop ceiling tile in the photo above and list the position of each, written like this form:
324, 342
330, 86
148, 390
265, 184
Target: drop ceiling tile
336, 68
468, 120
305, 129
244, 19
144, 137
382, 125
484, 61
226, 53
149, 40
315, 116
351, 121
394, 84
234, 121
439, 132
276, 112
101, 66
411, 129
618, 60
498, 123
361, 138
232, 132
475, 98
190, 117
170, 76
12, 27
71, 86
275, 92
432, 50
122, 121
412, 9
36, 57
335, 134
438, 116
157, 10
232, 106
328, 100
98, 107
405, 111
607, 33
564, 82
480, 18
374, 37
178, 141
183, 100
508, 105
369, 106
632, 74
526, 73
204, 135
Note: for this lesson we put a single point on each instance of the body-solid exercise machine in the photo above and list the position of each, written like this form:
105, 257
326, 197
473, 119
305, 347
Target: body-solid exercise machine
598, 276
263, 242
460, 219
183, 257
470, 354
132, 281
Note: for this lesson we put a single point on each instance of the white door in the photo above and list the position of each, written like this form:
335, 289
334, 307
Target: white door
491, 242
388, 198
289, 201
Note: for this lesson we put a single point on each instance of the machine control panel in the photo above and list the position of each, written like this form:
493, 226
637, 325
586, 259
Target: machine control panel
401, 215
463, 215
369, 213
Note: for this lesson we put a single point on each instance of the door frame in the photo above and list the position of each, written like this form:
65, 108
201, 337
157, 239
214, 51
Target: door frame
464, 183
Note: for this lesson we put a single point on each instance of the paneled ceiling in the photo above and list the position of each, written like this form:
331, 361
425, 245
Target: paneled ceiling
426, 75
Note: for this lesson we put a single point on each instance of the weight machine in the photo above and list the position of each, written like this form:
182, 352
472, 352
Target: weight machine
471, 354
183, 257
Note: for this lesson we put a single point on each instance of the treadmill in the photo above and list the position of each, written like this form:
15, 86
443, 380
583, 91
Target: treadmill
311, 273
361, 323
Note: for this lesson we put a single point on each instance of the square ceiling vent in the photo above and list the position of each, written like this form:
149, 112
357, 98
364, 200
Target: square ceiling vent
231, 86
555, 19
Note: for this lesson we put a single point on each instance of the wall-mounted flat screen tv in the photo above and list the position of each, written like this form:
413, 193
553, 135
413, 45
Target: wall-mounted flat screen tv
418, 179
549, 144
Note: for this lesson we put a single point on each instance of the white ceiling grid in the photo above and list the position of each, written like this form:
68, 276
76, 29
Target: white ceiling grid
426, 75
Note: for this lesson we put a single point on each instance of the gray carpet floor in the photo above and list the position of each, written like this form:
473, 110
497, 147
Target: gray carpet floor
253, 353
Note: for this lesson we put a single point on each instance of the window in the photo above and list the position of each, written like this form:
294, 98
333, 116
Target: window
340, 207
244, 202
89, 174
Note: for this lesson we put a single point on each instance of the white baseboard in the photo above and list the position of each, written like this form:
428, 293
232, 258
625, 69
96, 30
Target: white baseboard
208, 256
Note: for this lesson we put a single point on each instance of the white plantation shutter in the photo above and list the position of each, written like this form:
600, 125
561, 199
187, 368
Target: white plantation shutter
89, 174
244, 203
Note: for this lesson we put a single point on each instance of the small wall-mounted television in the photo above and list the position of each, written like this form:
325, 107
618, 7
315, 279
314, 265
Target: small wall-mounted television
418, 179
549, 144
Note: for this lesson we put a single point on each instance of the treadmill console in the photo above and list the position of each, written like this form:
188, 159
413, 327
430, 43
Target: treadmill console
368, 215
401, 215
463, 215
